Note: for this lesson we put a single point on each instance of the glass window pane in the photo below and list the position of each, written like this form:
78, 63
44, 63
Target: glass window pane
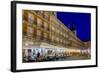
39, 22
30, 18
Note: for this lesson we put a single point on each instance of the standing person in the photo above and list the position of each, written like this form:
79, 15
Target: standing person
33, 55
29, 55
37, 55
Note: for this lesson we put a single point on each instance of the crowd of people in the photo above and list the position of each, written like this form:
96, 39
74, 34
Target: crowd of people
40, 55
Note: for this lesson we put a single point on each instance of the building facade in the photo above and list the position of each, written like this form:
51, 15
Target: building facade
44, 29
43, 26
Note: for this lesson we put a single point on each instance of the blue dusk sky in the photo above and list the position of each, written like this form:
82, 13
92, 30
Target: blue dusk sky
82, 23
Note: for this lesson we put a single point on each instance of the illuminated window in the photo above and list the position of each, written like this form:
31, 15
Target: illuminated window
46, 15
25, 15
45, 35
40, 13
45, 25
30, 18
52, 28
29, 31
39, 22
39, 34
57, 31
25, 52
53, 13
57, 39
52, 38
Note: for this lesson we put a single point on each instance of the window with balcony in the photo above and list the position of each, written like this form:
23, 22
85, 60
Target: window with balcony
25, 15
52, 38
52, 28
39, 34
46, 26
24, 28
40, 13
39, 23
46, 15
45, 36
29, 31
31, 19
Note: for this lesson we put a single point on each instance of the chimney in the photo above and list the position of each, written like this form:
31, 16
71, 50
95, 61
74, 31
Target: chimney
73, 28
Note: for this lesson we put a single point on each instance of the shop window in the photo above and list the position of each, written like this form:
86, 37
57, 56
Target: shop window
29, 54
25, 53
